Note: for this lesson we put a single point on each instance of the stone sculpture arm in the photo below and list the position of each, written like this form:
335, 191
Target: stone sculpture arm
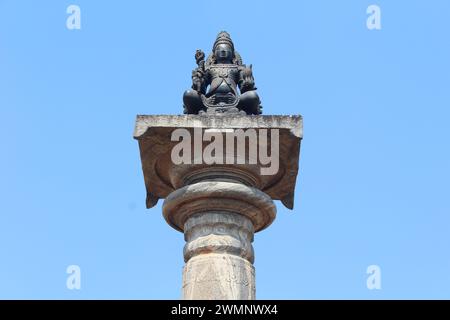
199, 74
246, 80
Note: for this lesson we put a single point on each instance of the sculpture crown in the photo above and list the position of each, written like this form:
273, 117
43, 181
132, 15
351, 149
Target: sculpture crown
223, 37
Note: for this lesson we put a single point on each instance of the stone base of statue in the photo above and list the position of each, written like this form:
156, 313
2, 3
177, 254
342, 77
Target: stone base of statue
222, 192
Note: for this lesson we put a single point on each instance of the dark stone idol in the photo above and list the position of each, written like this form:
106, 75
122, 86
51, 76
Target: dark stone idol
222, 84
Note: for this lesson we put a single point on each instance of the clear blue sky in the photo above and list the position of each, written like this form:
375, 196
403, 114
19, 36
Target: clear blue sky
373, 186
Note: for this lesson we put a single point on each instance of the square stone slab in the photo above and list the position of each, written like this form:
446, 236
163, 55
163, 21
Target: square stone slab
162, 176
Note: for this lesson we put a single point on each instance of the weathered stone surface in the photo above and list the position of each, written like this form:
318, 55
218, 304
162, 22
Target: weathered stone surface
218, 232
218, 220
218, 206
218, 277
163, 177
218, 196
219, 257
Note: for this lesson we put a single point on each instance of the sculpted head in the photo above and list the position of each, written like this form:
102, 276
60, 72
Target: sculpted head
223, 48
223, 53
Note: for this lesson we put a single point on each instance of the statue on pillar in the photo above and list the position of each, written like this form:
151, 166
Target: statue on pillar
222, 83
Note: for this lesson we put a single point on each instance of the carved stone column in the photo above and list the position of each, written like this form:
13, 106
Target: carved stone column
219, 220
218, 207
219, 257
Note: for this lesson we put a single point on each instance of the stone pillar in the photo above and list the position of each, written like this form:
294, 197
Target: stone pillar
218, 207
219, 257
219, 219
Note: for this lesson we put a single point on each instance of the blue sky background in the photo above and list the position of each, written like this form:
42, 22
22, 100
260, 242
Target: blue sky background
373, 186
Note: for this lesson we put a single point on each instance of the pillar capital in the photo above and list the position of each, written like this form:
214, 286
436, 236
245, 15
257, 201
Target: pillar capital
219, 204
219, 196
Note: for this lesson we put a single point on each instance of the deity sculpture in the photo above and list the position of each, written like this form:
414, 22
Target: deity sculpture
222, 84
